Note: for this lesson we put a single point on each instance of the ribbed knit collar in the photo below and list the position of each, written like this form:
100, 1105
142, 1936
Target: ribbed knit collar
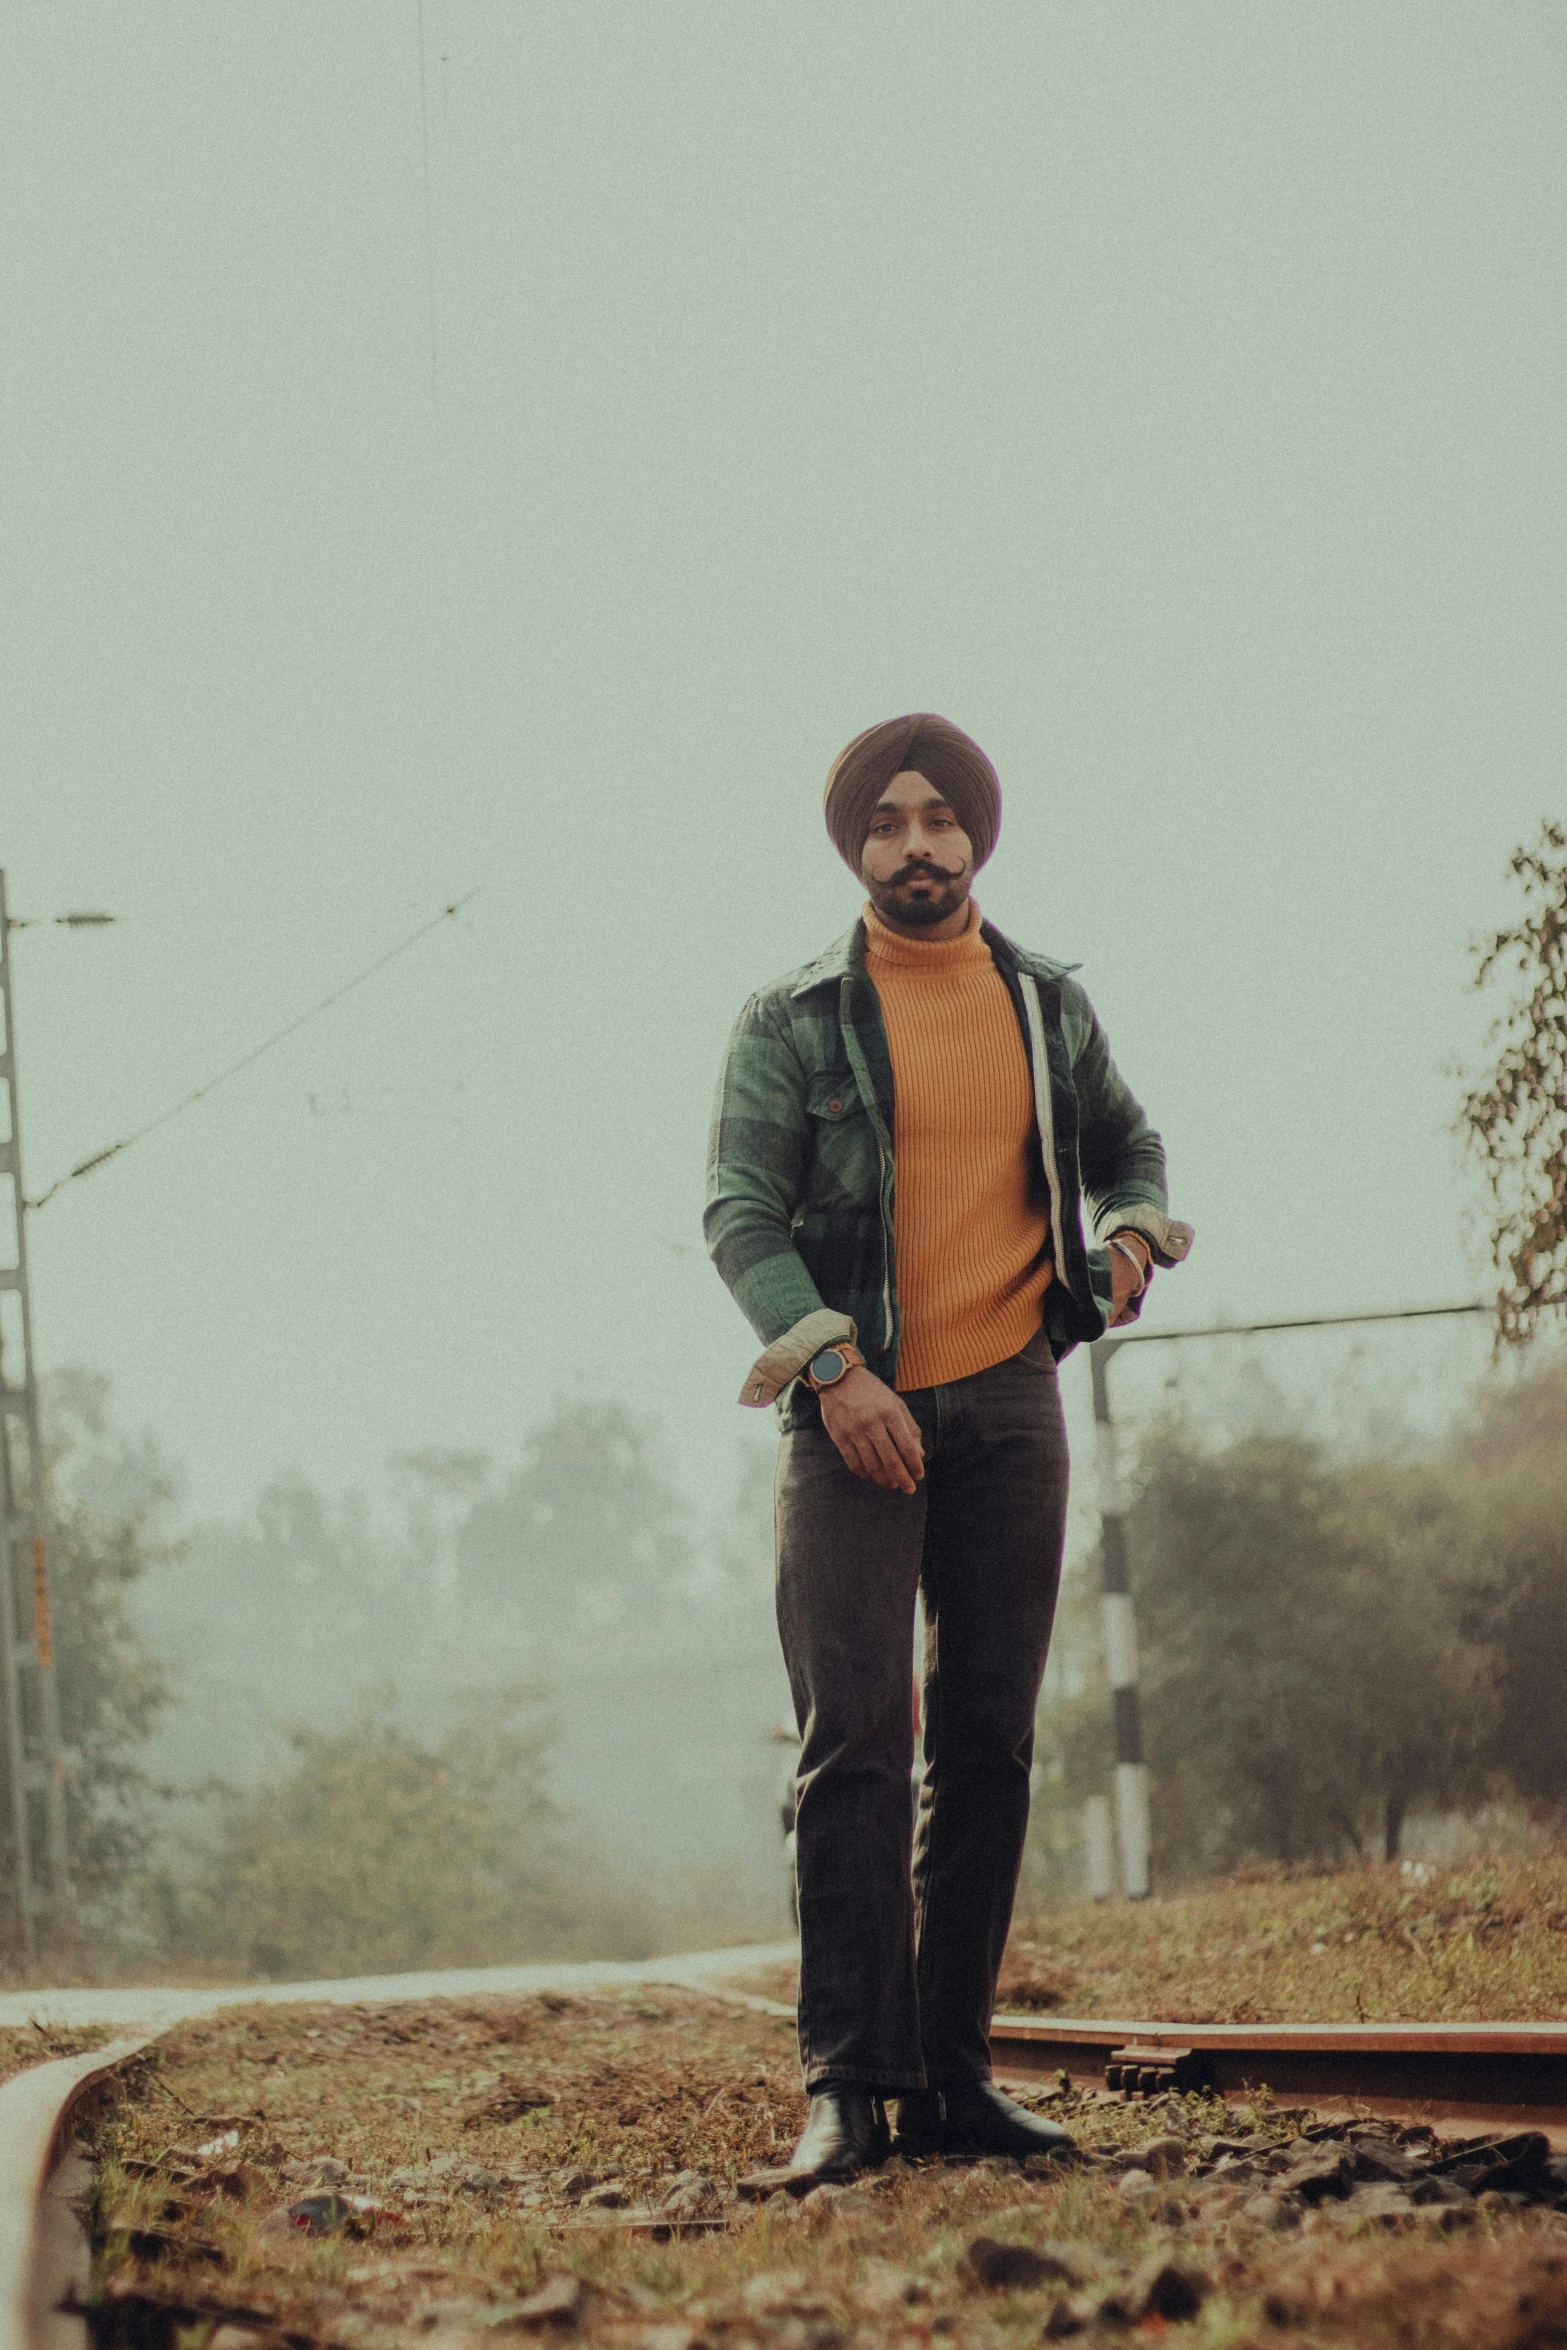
931, 955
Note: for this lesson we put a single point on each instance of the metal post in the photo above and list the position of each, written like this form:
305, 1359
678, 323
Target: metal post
1120, 1625
1098, 1848
29, 1691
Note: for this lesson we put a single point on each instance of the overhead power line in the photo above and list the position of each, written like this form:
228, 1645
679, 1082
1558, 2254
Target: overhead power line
246, 1060
62, 921
1305, 1322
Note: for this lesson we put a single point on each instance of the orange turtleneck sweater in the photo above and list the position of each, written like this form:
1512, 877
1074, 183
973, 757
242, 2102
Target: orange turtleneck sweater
971, 1224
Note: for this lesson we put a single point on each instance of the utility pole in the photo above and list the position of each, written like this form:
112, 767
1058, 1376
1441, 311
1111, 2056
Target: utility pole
29, 1692
1120, 1626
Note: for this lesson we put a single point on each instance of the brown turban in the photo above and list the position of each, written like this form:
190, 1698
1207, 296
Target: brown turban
932, 747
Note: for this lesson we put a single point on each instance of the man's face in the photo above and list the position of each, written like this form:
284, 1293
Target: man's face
917, 863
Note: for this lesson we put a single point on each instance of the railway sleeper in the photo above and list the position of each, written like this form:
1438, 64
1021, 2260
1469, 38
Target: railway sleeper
1153, 2072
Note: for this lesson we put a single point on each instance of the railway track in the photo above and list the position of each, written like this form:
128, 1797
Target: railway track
42, 2251
1474, 2076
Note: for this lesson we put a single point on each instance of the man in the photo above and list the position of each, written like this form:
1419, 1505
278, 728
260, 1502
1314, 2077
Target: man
905, 1134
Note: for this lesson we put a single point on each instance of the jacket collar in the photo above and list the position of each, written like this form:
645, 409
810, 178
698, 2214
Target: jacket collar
847, 954
1009, 955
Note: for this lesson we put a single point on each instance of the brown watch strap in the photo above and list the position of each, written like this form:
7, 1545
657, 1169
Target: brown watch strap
852, 1360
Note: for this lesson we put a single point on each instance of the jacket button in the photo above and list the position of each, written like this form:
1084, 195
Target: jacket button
836, 1104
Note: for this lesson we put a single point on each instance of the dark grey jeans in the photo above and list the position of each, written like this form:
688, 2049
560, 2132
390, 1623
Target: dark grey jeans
898, 1966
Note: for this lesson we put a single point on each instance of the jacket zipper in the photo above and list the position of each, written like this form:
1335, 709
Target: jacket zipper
862, 1078
1044, 1111
886, 1249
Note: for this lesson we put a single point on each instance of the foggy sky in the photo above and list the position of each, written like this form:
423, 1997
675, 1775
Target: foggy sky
1170, 396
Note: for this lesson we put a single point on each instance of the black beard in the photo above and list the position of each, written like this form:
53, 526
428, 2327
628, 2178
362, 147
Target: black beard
922, 913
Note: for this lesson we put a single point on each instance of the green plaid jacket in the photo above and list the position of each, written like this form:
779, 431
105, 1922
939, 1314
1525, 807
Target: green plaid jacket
800, 1169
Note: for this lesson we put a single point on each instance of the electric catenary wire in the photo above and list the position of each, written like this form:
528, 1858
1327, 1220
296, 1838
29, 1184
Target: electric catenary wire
247, 1060
1303, 1322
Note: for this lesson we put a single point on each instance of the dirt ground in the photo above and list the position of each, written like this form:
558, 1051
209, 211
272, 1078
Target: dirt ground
566, 2170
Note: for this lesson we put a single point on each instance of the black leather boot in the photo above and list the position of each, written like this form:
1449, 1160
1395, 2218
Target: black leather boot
845, 2131
977, 2118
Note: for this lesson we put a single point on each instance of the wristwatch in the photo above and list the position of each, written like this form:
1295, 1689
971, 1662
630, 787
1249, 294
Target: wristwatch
828, 1367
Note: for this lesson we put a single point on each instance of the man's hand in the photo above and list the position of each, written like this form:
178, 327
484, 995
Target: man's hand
874, 1430
1124, 1285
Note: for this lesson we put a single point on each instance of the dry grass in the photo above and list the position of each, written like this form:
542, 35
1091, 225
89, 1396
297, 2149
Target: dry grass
650, 2084
1484, 1941
24, 2045
1480, 1942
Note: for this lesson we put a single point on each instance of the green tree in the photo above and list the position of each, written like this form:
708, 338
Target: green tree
1307, 1676
109, 1502
375, 1852
1515, 1121
589, 1539
1407, 1537
113, 1694
1513, 1461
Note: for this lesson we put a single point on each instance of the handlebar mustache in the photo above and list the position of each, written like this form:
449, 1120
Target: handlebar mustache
924, 873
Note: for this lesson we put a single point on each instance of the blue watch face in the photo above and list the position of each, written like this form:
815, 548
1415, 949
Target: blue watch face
828, 1366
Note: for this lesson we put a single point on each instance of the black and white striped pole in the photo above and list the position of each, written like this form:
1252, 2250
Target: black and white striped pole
1120, 1629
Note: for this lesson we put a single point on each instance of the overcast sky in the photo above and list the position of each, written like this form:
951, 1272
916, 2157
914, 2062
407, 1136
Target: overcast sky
528, 472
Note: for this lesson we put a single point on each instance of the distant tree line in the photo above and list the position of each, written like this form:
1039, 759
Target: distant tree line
1329, 1644
398, 1811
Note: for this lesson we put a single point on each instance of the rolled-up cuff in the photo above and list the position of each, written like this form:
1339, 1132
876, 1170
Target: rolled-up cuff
1170, 1241
787, 1357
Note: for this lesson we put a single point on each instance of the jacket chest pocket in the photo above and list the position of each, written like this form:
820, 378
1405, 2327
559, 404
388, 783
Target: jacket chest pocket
832, 1096
846, 1167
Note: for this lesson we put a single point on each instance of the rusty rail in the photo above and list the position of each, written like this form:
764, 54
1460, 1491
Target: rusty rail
39, 2111
1468, 2073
